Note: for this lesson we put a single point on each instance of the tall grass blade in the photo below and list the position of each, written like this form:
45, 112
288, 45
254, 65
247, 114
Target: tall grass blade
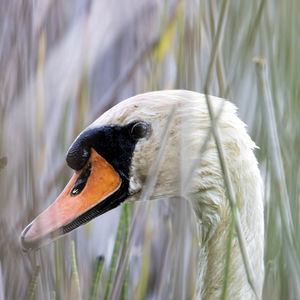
75, 284
124, 293
31, 292
115, 255
139, 217
96, 278
276, 159
226, 175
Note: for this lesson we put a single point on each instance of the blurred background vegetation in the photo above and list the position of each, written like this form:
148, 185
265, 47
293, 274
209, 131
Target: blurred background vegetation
63, 63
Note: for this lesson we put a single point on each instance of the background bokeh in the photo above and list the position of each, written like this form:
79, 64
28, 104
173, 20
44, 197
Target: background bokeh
63, 63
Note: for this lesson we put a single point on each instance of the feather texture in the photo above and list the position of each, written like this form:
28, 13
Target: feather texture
205, 189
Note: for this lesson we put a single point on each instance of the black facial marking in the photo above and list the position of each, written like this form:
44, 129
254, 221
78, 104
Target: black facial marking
116, 145
78, 155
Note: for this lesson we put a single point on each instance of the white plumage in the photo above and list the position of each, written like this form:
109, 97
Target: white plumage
206, 190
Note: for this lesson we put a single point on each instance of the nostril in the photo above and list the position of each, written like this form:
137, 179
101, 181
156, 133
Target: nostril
81, 181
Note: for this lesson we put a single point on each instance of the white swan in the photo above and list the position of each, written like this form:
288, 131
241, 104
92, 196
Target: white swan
112, 158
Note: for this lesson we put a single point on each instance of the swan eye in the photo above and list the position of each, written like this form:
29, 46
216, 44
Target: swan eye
140, 130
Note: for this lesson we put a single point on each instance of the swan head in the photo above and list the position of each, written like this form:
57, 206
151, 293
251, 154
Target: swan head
112, 158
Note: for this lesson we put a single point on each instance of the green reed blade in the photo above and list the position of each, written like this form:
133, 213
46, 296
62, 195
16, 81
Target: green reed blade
75, 284
97, 277
124, 293
33, 284
115, 254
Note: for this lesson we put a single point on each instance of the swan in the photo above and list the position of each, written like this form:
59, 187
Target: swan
112, 158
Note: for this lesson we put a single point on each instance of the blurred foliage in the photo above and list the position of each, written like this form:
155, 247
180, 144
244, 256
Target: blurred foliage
65, 62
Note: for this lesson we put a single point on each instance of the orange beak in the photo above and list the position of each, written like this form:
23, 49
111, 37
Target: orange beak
76, 205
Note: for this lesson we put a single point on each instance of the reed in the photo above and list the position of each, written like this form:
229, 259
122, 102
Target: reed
96, 278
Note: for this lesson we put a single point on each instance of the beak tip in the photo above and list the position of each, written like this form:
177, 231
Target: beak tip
24, 242
30, 240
